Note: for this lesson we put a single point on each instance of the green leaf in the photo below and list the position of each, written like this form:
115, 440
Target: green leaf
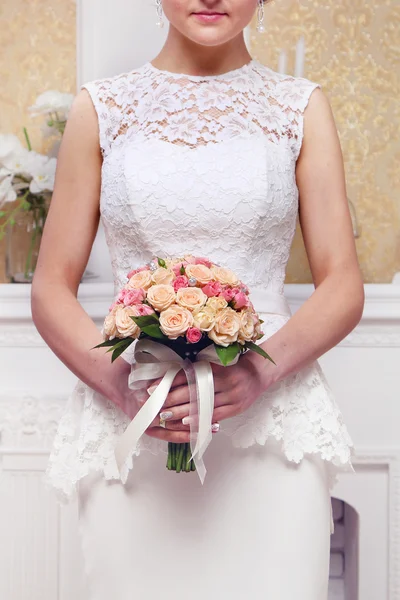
146, 320
2, 213
118, 342
227, 354
259, 350
28, 142
119, 347
106, 343
117, 351
161, 263
182, 270
154, 331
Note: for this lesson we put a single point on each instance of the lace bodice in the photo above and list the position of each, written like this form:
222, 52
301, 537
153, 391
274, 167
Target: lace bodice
201, 164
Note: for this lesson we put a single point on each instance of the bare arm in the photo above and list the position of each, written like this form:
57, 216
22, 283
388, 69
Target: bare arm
67, 240
336, 305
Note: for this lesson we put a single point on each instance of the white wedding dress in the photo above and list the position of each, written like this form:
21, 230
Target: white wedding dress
206, 165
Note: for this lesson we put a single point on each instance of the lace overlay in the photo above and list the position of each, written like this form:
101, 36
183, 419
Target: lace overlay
203, 165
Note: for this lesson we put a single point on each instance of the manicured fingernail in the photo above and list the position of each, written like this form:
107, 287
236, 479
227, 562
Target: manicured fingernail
215, 427
151, 389
187, 420
166, 415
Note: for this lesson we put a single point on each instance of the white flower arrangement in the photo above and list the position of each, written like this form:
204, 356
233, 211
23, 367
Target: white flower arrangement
25, 174
55, 106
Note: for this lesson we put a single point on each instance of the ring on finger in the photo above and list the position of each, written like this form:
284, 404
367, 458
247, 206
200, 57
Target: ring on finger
162, 423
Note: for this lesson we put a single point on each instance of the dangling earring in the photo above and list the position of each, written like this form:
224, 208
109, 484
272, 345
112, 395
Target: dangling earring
260, 16
160, 22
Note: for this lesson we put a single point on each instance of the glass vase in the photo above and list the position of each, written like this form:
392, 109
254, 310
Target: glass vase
22, 244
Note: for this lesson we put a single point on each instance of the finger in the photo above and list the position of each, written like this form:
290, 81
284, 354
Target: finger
223, 399
177, 397
171, 414
225, 412
176, 437
179, 379
178, 426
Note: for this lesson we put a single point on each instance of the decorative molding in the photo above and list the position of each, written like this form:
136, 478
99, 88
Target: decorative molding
361, 337
389, 458
382, 301
379, 326
20, 336
29, 422
24, 335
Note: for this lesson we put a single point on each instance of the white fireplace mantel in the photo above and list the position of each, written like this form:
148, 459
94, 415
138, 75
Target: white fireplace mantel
362, 371
382, 302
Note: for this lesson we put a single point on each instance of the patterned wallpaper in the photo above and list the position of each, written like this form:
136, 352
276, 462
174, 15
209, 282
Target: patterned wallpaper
351, 49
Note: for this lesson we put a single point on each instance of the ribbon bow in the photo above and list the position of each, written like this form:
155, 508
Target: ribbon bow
153, 360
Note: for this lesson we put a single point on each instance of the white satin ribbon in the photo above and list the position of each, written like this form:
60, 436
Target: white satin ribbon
153, 360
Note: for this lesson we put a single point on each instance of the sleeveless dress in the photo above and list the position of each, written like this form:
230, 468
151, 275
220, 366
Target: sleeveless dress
206, 165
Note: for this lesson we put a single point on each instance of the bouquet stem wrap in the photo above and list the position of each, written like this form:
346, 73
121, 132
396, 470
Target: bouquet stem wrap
154, 360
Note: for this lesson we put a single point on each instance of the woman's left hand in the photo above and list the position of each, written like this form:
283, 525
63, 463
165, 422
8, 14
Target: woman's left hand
236, 387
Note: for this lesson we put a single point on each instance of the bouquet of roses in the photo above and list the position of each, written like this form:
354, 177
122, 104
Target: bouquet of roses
184, 312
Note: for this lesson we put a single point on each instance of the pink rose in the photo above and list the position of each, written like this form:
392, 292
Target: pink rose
143, 310
241, 301
213, 288
134, 296
121, 295
200, 260
180, 282
228, 293
134, 271
177, 268
193, 335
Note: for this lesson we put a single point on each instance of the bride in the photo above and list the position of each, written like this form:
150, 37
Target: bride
204, 151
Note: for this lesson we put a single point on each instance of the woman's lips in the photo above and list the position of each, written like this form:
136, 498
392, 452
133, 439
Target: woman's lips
209, 17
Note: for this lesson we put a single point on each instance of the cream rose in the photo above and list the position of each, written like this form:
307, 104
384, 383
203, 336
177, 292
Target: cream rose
125, 325
226, 327
175, 320
170, 262
140, 280
161, 296
191, 298
204, 318
162, 275
109, 327
217, 303
225, 276
202, 273
246, 329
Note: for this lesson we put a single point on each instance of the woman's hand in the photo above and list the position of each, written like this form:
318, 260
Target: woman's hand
236, 388
129, 401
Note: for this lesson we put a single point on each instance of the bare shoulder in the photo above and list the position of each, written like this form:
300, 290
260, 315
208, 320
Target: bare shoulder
82, 116
319, 120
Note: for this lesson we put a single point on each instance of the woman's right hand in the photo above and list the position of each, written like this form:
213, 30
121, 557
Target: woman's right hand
131, 401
